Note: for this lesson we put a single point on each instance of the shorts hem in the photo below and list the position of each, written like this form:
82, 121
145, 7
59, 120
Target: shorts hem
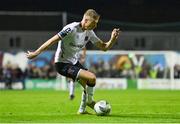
78, 73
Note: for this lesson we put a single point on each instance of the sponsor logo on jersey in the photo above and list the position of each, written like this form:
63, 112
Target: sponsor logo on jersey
76, 45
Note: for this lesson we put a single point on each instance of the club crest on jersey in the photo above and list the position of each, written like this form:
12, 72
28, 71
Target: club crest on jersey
86, 38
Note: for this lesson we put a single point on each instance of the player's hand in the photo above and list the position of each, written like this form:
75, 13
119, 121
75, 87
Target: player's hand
31, 55
115, 34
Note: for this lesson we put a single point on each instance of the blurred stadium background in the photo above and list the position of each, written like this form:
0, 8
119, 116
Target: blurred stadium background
146, 56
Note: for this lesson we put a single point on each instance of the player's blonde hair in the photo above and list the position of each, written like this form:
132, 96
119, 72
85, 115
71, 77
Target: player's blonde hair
92, 13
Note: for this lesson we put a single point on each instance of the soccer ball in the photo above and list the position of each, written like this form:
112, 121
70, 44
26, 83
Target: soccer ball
102, 108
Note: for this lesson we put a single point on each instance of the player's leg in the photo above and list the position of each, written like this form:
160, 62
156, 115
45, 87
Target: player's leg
89, 79
82, 107
78, 72
84, 98
71, 88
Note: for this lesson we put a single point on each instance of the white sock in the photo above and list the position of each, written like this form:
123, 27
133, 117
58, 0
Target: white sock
71, 87
90, 93
83, 102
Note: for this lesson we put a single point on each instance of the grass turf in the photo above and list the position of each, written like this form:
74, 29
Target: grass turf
128, 106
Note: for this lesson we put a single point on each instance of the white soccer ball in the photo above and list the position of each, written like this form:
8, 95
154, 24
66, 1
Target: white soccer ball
102, 108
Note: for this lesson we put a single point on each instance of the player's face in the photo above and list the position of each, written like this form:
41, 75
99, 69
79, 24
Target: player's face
91, 23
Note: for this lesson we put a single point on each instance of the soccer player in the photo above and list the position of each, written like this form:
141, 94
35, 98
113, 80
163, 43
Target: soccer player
71, 39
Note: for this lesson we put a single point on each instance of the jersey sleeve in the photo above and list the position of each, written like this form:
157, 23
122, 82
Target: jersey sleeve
65, 31
93, 38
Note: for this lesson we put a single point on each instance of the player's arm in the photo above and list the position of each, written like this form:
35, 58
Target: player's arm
107, 45
43, 47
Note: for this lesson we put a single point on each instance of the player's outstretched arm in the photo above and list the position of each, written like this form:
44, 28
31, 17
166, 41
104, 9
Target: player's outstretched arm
107, 45
43, 47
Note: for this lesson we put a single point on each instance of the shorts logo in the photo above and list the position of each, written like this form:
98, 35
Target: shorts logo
70, 71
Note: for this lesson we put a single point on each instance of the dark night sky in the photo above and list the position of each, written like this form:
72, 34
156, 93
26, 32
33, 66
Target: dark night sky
146, 11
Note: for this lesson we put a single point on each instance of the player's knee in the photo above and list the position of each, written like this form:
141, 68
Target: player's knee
91, 84
92, 80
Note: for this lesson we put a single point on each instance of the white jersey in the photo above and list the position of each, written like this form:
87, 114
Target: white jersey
74, 39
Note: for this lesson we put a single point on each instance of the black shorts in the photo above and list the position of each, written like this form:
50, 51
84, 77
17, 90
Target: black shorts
69, 70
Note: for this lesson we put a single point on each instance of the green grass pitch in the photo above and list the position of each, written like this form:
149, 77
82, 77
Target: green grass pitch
128, 106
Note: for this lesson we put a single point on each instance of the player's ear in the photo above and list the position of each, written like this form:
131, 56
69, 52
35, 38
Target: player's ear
86, 20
